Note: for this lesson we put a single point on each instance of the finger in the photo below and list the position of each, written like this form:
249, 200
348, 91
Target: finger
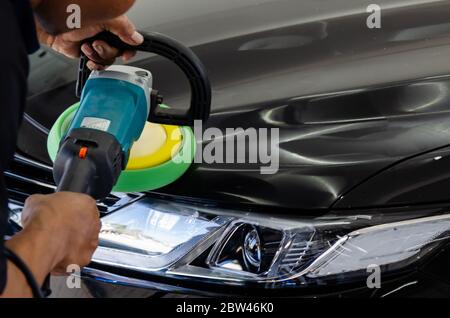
93, 245
24, 217
128, 55
105, 51
66, 48
29, 203
95, 66
89, 52
94, 56
125, 30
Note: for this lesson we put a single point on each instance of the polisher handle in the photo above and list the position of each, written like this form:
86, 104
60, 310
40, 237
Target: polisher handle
77, 176
179, 54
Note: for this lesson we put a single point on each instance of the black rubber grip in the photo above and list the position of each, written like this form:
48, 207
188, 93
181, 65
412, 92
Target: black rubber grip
179, 54
97, 172
76, 176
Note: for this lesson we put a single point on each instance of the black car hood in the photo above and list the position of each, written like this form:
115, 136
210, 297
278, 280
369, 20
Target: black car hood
348, 101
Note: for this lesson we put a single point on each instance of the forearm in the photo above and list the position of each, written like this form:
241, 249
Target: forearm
39, 252
17, 286
52, 14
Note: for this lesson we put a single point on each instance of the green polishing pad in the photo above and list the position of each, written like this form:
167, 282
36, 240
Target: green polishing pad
156, 175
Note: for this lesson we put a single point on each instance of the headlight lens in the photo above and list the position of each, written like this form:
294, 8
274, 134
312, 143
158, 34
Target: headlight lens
154, 237
245, 248
251, 250
208, 245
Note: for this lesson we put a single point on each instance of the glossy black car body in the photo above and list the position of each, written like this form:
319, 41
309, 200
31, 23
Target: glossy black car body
363, 115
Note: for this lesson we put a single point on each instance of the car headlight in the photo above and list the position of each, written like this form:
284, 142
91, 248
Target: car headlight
210, 245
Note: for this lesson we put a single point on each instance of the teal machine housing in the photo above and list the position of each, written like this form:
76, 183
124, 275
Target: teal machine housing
115, 105
116, 101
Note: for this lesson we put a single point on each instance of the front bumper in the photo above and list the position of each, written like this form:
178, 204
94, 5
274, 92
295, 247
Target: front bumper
430, 282
426, 278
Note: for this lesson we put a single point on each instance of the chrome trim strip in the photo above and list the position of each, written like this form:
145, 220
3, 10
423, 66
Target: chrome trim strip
96, 274
25, 179
32, 162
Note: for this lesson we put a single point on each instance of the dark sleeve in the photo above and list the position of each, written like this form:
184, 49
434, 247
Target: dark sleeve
13, 88
3, 227
25, 20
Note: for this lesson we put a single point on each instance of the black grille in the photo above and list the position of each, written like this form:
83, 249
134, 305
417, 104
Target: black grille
27, 177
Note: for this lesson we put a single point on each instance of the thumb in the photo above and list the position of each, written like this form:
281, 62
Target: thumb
125, 30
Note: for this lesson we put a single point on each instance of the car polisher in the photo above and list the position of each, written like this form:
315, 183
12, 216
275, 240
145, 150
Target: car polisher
120, 136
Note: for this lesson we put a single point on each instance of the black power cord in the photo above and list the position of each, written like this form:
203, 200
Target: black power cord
16, 260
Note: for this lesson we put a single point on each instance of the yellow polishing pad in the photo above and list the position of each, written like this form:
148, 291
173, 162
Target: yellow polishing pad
157, 145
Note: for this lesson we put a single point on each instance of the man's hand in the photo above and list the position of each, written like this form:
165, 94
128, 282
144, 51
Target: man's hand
58, 230
99, 52
70, 218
